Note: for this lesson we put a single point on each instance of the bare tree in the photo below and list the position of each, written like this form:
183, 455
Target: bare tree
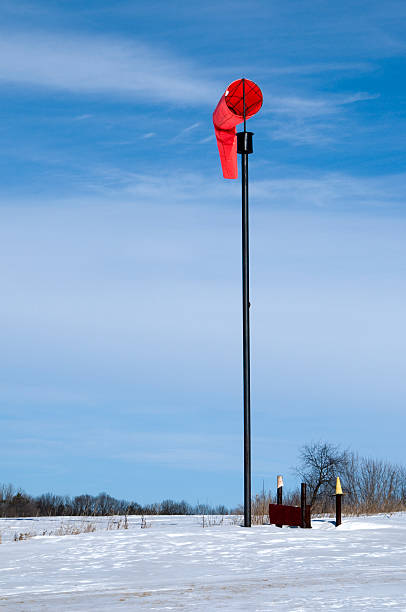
373, 485
320, 464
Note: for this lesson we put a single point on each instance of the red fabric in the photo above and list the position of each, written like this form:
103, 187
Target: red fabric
228, 114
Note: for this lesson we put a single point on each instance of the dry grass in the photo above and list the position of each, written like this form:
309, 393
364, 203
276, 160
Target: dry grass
384, 507
212, 521
70, 529
23, 536
117, 523
351, 508
74, 528
144, 524
260, 508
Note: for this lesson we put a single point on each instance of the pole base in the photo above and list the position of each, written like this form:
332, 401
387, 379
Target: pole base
244, 142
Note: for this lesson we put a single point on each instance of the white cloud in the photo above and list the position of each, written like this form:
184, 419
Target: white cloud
82, 117
317, 68
207, 139
329, 190
301, 106
95, 64
152, 269
334, 191
186, 131
308, 120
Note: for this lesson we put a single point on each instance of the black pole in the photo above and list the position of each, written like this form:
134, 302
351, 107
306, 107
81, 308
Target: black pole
338, 509
246, 341
244, 147
279, 493
303, 503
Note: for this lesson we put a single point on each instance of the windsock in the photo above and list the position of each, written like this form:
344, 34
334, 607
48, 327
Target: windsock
339, 490
228, 114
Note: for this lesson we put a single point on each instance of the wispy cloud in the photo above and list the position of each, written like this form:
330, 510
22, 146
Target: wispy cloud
303, 132
306, 106
126, 286
318, 68
184, 133
207, 139
82, 117
306, 119
297, 69
96, 64
334, 191
330, 190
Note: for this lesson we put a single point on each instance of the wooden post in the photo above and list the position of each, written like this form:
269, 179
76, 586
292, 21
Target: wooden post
303, 503
279, 492
339, 495
338, 509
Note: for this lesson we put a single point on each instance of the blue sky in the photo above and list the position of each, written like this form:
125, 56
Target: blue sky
120, 242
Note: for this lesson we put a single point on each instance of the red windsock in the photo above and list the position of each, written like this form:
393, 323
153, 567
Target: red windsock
229, 113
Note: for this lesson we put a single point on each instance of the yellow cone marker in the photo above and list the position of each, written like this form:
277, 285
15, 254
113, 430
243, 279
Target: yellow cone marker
339, 490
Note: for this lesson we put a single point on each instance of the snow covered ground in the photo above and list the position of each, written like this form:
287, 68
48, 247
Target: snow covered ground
175, 564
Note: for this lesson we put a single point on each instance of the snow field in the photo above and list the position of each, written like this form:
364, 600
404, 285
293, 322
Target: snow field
175, 564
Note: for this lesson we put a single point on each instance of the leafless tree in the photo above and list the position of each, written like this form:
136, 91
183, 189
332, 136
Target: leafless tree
320, 464
374, 485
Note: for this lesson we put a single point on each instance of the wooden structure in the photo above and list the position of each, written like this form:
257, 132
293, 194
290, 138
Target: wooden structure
294, 516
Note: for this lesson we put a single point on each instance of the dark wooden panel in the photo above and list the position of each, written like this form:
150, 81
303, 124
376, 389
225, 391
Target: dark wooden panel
285, 515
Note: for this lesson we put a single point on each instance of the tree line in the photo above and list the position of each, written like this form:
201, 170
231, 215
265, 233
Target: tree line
370, 486
17, 503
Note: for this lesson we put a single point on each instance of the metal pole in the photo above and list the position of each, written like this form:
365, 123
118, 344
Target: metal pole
244, 147
338, 509
279, 493
303, 503
246, 342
